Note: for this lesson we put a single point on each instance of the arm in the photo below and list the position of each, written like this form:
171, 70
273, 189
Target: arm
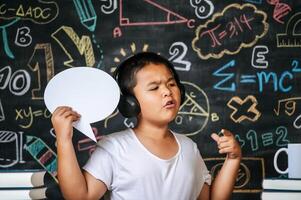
223, 184
73, 183
205, 192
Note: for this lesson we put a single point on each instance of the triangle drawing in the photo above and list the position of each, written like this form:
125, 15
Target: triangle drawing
191, 107
151, 13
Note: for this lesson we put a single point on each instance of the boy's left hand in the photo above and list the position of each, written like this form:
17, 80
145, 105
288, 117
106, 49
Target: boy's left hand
227, 144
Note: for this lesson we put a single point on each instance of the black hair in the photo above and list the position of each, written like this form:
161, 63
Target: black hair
125, 74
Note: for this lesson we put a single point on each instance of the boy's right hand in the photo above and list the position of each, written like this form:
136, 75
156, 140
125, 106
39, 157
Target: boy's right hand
62, 119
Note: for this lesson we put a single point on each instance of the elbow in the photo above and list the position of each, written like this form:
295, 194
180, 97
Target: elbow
74, 194
75, 197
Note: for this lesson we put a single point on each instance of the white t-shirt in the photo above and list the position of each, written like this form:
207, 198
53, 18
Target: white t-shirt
131, 172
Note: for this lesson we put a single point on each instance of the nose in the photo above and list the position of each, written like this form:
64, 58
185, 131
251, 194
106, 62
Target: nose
166, 91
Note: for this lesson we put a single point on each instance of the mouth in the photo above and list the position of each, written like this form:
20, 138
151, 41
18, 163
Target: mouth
170, 104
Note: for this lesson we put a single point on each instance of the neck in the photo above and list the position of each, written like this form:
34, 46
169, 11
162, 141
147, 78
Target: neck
152, 130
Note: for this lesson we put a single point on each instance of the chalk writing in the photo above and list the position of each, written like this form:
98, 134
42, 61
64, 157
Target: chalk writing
289, 105
110, 8
39, 66
230, 37
269, 139
258, 57
178, 51
203, 8
279, 82
26, 117
214, 117
41, 13
117, 32
17, 82
23, 38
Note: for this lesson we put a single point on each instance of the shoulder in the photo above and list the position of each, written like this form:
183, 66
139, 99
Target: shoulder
184, 139
186, 142
116, 140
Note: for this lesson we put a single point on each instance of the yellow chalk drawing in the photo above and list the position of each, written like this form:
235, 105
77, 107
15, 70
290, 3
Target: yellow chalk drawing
106, 121
124, 54
83, 44
252, 109
40, 67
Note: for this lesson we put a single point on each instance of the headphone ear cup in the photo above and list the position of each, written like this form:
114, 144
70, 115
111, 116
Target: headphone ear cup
182, 92
128, 106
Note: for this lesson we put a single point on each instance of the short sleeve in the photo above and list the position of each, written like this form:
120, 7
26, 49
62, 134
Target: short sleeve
100, 165
205, 173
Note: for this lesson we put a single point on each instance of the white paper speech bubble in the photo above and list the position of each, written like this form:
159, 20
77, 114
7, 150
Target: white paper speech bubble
91, 92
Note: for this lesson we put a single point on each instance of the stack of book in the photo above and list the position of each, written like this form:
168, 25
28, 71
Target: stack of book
281, 188
16, 184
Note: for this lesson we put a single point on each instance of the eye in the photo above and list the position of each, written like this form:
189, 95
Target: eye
172, 84
153, 88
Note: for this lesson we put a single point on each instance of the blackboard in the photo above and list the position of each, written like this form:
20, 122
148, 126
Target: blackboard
239, 61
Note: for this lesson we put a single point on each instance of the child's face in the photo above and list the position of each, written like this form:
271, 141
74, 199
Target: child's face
157, 93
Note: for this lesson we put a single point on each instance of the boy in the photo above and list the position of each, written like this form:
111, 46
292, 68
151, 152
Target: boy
148, 162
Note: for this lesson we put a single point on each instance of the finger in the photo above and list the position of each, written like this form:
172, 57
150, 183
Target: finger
74, 118
224, 145
227, 137
73, 111
60, 110
224, 139
69, 113
77, 114
215, 137
226, 132
57, 110
226, 150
